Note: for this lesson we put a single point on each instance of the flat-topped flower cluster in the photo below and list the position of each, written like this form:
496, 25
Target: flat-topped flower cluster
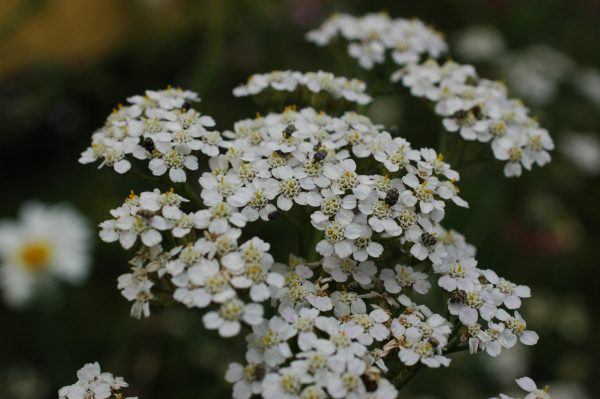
372, 36
352, 90
479, 109
159, 126
346, 315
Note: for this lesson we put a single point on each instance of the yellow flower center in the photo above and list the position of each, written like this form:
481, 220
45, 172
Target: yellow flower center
35, 256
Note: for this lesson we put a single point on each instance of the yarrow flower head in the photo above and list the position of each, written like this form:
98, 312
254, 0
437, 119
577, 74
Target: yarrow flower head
160, 126
372, 209
351, 90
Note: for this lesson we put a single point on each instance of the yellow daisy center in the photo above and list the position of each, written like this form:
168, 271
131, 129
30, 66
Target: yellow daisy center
35, 255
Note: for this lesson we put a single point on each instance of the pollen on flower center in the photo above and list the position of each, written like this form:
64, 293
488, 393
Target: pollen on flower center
348, 181
304, 324
190, 255
335, 232
290, 188
182, 137
457, 271
424, 349
516, 325
247, 171
316, 362
290, 383
225, 188
224, 245
221, 210
255, 272
404, 277
112, 156
407, 218
259, 200
350, 381
382, 210
216, 284
298, 292
362, 242
173, 159
423, 194
515, 154
232, 310
311, 168
35, 255
363, 320
211, 138
341, 340
506, 287
330, 206
535, 143
498, 129
348, 266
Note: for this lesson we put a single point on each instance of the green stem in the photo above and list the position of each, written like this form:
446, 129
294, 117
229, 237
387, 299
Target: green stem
299, 231
193, 195
403, 379
144, 176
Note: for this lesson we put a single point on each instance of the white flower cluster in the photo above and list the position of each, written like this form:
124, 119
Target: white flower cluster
352, 90
32, 254
375, 230
371, 36
339, 354
309, 158
529, 386
94, 384
161, 127
484, 303
479, 109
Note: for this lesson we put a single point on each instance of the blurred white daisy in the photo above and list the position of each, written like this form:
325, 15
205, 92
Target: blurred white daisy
46, 242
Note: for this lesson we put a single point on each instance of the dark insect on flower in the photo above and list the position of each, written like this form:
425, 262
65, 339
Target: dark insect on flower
370, 383
259, 372
428, 240
280, 153
145, 213
148, 144
458, 296
460, 114
289, 129
273, 215
186, 106
320, 155
433, 342
476, 111
391, 197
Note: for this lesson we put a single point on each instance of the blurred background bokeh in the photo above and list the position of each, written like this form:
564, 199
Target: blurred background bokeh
65, 64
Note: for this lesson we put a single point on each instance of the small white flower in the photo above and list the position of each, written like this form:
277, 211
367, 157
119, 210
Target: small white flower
404, 278
227, 319
341, 269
